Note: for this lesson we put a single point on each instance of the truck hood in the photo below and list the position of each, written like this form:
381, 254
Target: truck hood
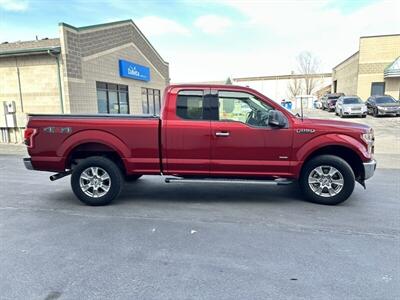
333, 124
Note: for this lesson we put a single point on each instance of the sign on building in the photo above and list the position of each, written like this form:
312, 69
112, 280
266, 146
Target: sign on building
132, 70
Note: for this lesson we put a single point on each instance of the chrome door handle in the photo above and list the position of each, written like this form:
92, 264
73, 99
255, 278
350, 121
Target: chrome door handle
220, 133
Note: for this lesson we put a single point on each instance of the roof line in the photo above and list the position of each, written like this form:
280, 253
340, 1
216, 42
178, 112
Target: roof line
345, 60
289, 76
113, 24
382, 35
29, 51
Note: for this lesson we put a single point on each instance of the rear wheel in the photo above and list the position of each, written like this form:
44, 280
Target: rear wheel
96, 181
327, 179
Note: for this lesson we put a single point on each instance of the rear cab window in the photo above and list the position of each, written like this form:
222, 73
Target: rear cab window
190, 105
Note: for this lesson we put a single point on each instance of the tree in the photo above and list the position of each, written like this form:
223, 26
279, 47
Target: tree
308, 65
294, 87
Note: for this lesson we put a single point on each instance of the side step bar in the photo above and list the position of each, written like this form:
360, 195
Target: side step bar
278, 181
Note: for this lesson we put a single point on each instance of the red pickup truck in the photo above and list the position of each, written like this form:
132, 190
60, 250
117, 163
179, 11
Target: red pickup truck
204, 133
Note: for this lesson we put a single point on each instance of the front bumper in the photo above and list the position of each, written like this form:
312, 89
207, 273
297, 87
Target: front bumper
383, 112
369, 169
28, 163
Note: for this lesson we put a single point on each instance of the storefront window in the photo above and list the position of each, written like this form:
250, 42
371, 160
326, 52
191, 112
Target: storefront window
151, 103
112, 98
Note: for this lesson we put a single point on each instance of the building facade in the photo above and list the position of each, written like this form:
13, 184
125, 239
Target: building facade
106, 68
372, 70
276, 87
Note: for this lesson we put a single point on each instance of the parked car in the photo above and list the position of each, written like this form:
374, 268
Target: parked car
205, 133
329, 101
318, 104
350, 106
383, 105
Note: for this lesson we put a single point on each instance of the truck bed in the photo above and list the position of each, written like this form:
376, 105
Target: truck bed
135, 138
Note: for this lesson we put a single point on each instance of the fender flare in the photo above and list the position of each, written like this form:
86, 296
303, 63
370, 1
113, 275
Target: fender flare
93, 136
334, 139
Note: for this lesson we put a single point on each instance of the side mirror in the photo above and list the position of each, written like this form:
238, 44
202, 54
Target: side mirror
276, 119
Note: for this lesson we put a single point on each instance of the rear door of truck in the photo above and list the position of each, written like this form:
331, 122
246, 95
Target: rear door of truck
186, 131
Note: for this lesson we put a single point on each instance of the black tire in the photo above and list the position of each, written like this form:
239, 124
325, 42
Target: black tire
363, 116
330, 161
132, 178
375, 112
341, 114
115, 180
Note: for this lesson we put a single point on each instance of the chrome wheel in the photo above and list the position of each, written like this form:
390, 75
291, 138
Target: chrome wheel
326, 181
95, 182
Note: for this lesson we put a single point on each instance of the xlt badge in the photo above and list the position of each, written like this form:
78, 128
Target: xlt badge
305, 130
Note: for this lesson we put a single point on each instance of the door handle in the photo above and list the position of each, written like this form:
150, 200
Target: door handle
222, 133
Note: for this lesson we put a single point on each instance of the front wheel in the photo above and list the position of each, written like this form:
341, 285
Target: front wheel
96, 181
327, 179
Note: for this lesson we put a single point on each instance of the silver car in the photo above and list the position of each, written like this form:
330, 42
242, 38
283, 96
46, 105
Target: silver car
350, 106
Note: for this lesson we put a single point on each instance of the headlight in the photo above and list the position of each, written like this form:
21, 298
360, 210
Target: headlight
369, 139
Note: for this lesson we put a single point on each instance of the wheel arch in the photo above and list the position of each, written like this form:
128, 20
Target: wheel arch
347, 154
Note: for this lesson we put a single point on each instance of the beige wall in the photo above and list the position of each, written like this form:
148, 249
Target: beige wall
392, 87
376, 53
346, 77
104, 67
39, 83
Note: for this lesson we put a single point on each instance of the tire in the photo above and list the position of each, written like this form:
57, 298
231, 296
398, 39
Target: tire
341, 114
94, 168
363, 116
375, 112
132, 178
336, 194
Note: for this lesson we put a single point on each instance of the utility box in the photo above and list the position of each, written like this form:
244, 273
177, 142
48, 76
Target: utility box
10, 114
9, 107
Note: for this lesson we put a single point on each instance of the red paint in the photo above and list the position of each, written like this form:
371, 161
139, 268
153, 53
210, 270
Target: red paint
191, 147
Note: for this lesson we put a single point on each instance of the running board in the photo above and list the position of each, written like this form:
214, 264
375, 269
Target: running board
278, 181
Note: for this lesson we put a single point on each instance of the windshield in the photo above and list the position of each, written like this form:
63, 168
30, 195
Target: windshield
352, 101
382, 100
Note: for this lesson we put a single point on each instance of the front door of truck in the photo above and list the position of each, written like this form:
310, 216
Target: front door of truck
242, 142
187, 133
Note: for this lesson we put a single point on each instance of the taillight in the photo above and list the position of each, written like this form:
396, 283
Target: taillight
28, 136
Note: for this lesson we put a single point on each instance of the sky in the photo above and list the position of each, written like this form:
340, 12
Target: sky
208, 40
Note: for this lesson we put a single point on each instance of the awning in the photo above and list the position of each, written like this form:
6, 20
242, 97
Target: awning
393, 70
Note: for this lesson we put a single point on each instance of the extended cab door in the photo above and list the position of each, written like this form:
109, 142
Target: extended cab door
242, 143
186, 133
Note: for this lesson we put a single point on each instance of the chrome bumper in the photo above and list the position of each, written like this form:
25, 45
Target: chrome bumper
369, 169
28, 163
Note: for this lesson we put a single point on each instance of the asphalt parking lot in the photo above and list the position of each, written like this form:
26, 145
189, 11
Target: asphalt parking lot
196, 241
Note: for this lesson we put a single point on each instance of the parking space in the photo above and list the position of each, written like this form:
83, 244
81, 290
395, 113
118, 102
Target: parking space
215, 241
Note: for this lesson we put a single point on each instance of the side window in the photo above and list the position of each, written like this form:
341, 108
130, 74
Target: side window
242, 107
189, 105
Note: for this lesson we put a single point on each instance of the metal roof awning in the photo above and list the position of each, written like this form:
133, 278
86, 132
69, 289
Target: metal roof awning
393, 70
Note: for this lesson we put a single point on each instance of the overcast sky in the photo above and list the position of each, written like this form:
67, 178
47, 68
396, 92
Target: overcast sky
211, 40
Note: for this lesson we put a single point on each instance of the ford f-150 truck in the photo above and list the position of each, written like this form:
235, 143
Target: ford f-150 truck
204, 133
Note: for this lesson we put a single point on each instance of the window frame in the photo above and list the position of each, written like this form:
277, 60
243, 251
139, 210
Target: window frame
153, 94
120, 88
